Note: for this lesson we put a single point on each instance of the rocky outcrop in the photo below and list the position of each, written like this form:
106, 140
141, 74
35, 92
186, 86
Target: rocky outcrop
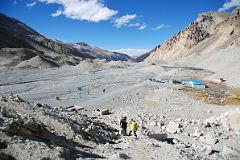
215, 25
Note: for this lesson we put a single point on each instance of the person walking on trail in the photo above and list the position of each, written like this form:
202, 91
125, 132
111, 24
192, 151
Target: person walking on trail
133, 127
123, 124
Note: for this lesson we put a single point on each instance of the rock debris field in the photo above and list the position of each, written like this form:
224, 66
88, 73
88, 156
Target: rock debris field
74, 113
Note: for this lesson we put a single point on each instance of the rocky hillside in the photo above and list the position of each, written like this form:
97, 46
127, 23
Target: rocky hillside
59, 134
100, 53
216, 29
143, 56
19, 42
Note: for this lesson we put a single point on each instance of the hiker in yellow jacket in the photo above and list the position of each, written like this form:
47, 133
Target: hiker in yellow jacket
133, 127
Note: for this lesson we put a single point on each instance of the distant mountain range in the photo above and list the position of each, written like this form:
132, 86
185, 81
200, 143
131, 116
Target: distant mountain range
19, 43
212, 30
100, 53
21, 46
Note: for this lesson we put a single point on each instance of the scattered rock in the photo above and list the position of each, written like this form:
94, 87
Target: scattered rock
31, 128
46, 130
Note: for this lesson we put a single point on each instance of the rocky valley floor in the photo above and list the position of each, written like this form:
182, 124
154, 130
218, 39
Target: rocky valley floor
74, 113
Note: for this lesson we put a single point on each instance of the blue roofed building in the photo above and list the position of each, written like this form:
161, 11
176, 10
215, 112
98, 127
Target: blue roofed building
197, 84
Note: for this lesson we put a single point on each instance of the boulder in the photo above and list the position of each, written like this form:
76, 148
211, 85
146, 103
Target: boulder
160, 137
234, 119
197, 134
163, 128
162, 117
18, 99
27, 129
161, 123
206, 124
198, 122
209, 111
208, 139
230, 152
76, 109
96, 113
106, 112
5, 156
2, 98
176, 141
9, 113
57, 98
179, 130
212, 121
119, 156
173, 127
208, 150
3, 145
38, 105
153, 123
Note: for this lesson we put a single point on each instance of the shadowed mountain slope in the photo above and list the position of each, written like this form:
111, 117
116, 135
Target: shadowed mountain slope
18, 39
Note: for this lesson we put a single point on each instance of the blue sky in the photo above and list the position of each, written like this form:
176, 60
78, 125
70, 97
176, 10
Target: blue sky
130, 26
